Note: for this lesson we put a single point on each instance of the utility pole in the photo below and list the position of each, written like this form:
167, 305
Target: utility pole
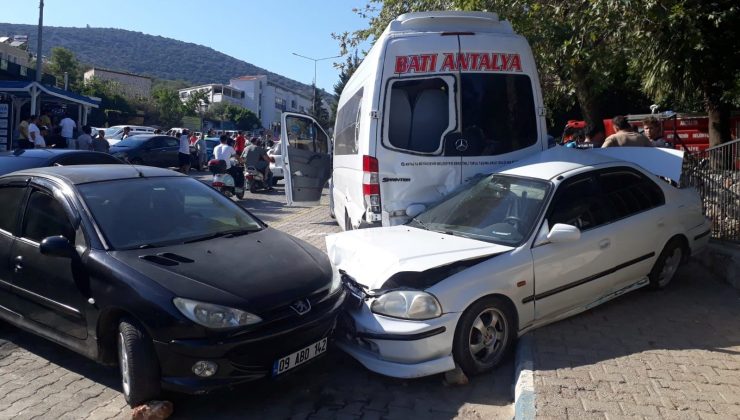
315, 60
38, 41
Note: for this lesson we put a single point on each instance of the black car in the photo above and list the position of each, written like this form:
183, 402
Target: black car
37, 158
148, 149
153, 270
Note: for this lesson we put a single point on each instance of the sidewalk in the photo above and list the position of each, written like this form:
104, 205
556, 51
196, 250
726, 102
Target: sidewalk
667, 354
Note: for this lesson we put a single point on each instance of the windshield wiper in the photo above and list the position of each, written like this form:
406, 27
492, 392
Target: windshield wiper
224, 234
420, 223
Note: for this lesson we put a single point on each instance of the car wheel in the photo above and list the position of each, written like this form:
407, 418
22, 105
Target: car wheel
253, 188
484, 335
140, 378
137, 161
240, 195
667, 264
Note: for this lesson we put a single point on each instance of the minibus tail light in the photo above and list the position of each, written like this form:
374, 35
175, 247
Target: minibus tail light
371, 184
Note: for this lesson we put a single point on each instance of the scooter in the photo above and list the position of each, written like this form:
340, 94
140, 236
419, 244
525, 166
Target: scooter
255, 180
224, 181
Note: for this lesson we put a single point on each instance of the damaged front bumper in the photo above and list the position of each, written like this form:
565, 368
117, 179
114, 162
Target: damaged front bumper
395, 347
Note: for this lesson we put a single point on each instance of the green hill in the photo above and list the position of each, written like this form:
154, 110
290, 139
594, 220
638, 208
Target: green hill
149, 55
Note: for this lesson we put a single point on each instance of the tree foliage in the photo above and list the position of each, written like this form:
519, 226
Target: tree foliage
168, 105
197, 103
63, 61
242, 118
319, 111
346, 70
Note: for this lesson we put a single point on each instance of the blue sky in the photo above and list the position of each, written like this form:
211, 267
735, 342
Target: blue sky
263, 33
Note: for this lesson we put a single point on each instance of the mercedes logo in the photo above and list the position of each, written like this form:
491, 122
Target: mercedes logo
461, 145
301, 306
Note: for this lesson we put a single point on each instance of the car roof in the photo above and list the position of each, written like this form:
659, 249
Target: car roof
556, 161
41, 153
82, 174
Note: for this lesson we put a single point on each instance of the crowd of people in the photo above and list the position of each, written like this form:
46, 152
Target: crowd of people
626, 135
38, 132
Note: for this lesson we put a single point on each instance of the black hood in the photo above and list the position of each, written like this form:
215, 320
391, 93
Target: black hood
268, 269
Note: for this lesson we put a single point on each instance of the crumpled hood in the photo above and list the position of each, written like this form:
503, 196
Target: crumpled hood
371, 256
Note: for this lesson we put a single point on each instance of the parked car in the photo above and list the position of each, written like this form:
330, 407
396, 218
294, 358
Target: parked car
211, 143
37, 158
277, 166
159, 288
546, 238
148, 149
115, 134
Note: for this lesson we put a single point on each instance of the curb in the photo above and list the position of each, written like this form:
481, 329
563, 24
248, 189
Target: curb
524, 395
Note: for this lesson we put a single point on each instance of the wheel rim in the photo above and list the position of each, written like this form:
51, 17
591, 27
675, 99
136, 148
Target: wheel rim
487, 336
670, 266
123, 363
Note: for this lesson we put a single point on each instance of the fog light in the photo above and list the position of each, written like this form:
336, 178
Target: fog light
204, 368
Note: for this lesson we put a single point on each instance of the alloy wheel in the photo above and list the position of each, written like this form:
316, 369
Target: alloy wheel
487, 336
123, 363
670, 266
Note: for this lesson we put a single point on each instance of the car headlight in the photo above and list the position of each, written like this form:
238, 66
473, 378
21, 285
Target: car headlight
214, 316
407, 304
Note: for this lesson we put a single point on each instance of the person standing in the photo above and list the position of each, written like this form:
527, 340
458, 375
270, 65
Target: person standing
45, 120
99, 143
595, 134
200, 146
68, 126
653, 129
34, 133
126, 131
84, 142
40, 141
184, 152
24, 141
240, 143
56, 140
625, 136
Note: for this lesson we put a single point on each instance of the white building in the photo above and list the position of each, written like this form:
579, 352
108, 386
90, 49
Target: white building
132, 85
256, 93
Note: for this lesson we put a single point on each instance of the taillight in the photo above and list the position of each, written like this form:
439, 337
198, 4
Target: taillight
370, 184
217, 184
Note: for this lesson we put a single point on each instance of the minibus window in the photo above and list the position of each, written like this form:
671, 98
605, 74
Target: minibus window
348, 121
498, 113
418, 115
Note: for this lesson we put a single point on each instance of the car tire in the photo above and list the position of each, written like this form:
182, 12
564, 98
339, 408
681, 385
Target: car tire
240, 195
137, 361
137, 161
666, 265
484, 335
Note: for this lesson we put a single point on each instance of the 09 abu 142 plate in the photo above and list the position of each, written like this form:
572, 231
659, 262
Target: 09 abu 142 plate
298, 358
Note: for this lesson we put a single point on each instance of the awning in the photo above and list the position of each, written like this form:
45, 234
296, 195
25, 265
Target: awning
22, 88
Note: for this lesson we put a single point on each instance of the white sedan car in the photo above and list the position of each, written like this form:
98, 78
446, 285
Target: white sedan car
549, 237
277, 166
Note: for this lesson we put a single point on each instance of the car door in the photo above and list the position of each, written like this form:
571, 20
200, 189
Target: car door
170, 151
572, 274
306, 158
154, 152
12, 195
49, 289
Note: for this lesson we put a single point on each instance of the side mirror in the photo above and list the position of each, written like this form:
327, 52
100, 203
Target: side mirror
57, 246
415, 210
563, 233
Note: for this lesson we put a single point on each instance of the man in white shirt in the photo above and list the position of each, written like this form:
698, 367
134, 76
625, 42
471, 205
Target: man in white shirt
223, 151
184, 152
34, 133
68, 126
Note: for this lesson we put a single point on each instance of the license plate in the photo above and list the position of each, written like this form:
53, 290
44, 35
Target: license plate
298, 358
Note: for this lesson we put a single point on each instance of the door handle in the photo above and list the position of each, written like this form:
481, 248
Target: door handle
604, 243
661, 222
18, 262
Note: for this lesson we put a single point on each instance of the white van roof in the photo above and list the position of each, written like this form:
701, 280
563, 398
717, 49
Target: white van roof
450, 21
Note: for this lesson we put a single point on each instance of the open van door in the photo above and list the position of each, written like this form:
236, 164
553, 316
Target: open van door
306, 158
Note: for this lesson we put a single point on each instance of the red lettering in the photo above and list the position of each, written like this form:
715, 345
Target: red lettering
402, 64
516, 63
494, 62
463, 61
448, 64
474, 61
433, 64
485, 62
414, 66
505, 59
425, 59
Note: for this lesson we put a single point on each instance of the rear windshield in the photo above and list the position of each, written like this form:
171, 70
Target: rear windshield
10, 164
496, 116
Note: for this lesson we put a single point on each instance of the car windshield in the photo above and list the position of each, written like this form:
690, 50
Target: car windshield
133, 141
152, 212
498, 208
112, 131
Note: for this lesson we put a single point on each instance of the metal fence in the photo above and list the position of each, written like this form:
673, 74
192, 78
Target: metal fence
715, 172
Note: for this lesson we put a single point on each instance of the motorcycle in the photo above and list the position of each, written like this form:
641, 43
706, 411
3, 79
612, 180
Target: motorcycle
228, 184
255, 180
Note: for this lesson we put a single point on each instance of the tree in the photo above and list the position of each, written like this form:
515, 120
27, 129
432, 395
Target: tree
169, 106
318, 111
243, 118
346, 70
63, 61
687, 50
112, 102
197, 103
